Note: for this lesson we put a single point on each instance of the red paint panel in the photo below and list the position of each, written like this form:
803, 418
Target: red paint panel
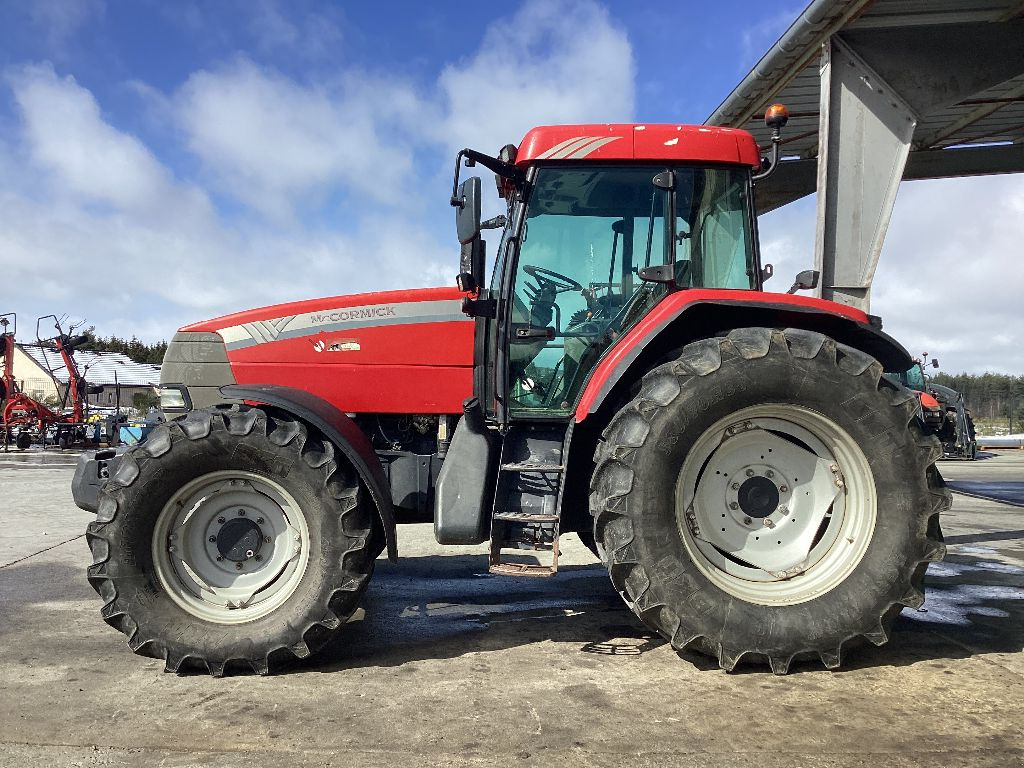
369, 389
677, 302
680, 143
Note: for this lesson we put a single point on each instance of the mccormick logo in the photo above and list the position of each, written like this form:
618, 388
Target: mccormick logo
357, 313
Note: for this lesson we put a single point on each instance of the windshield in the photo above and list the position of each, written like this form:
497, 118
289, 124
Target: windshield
588, 231
914, 378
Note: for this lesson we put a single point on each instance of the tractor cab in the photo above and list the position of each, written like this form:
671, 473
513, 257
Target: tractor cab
603, 222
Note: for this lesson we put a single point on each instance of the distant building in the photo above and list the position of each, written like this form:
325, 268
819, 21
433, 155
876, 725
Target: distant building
33, 365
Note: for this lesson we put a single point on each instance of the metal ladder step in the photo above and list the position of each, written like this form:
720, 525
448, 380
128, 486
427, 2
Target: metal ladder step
523, 569
524, 517
528, 467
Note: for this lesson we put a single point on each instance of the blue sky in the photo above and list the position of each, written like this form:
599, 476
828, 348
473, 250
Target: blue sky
162, 162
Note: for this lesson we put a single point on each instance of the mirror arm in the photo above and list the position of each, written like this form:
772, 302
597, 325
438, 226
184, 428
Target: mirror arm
506, 170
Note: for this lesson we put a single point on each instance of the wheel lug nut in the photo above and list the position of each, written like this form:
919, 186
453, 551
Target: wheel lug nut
170, 548
213, 539
220, 558
769, 473
241, 513
735, 486
749, 473
266, 539
221, 520
783, 488
259, 521
733, 505
768, 523
258, 558
747, 521
238, 566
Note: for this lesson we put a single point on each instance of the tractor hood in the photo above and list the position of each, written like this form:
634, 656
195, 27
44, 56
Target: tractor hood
390, 352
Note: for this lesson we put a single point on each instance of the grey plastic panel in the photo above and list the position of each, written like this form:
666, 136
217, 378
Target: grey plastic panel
200, 362
465, 486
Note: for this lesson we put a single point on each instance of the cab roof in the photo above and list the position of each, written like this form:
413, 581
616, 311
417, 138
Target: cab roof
628, 141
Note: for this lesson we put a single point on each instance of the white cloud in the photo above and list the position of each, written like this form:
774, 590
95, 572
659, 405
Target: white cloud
97, 222
549, 63
66, 135
59, 20
949, 281
308, 35
94, 222
276, 144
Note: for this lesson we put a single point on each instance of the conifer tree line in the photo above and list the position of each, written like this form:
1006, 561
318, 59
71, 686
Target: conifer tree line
990, 395
133, 348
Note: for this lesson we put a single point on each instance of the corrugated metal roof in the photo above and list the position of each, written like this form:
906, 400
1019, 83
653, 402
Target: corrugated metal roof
97, 367
941, 46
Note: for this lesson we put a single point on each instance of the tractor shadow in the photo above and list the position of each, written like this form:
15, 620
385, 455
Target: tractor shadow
444, 607
448, 606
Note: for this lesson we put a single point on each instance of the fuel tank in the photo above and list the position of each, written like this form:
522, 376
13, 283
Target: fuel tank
405, 351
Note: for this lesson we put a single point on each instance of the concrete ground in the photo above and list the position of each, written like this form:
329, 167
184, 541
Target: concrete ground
450, 666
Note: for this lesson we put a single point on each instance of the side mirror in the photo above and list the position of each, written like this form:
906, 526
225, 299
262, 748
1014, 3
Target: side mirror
767, 271
467, 210
935, 363
805, 281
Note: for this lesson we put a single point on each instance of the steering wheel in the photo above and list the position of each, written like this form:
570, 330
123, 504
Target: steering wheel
558, 282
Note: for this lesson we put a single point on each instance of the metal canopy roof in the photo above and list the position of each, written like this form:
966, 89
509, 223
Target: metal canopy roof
106, 368
957, 64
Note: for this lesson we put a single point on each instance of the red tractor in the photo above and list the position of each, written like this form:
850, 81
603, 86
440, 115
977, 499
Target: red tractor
755, 487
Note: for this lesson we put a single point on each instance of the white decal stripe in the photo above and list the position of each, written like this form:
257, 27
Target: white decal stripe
548, 153
342, 318
567, 151
584, 151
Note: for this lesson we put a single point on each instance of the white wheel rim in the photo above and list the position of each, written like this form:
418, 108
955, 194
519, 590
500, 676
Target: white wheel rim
776, 504
230, 547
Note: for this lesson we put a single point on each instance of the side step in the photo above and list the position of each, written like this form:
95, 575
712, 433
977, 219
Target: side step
527, 498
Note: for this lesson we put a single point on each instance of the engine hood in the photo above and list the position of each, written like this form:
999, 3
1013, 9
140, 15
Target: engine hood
405, 351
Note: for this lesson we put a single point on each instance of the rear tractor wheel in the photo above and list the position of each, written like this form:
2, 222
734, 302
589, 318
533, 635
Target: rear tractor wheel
231, 537
769, 496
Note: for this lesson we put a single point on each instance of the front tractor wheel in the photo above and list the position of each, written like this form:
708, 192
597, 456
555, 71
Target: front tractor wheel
232, 537
769, 496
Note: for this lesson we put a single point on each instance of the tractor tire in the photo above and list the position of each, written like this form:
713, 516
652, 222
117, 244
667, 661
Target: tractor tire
232, 538
23, 441
768, 496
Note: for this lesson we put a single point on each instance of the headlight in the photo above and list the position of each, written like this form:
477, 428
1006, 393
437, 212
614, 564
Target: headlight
174, 398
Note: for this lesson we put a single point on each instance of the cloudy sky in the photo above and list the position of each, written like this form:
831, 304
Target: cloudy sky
161, 163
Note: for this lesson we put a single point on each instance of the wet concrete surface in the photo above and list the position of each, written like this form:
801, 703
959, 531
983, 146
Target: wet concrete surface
988, 479
451, 666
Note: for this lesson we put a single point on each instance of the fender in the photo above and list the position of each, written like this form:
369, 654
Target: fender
340, 430
687, 315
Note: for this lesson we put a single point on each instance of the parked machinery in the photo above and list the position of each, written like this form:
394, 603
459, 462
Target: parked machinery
755, 487
943, 410
20, 415
24, 418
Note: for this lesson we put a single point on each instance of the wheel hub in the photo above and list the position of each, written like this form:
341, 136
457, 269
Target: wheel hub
230, 546
765, 505
758, 497
239, 539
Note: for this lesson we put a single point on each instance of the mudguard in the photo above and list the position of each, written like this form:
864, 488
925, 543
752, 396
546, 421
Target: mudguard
340, 430
687, 315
